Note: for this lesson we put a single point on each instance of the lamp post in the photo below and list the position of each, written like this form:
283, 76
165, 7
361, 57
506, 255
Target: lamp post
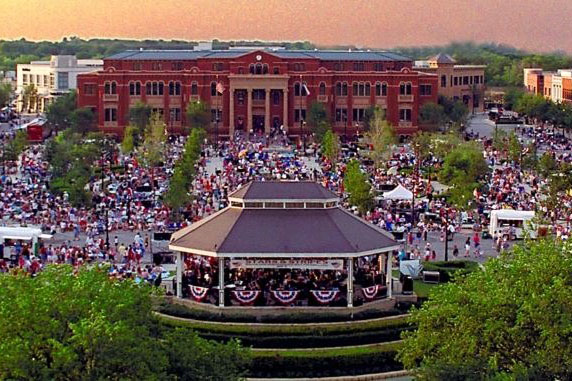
106, 206
446, 217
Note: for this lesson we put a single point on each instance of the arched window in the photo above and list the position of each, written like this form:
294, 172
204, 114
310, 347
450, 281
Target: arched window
110, 88
174, 88
194, 89
258, 68
405, 88
134, 88
367, 89
276, 70
213, 89
322, 89
251, 68
338, 88
265, 69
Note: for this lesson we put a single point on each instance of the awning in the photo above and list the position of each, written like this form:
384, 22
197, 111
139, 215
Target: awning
399, 193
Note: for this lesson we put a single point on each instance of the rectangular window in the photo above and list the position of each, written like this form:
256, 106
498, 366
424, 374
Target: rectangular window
89, 89
482, 79
217, 66
157, 111
214, 115
63, 80
175, 114
358, 114
341, 115
424, 89
137, 66
355, 90
443, 81
25, 79
465, 80
176, 66
476, 80
276, 98
456, 82
470, 80
156, 66
174, 88
405, 115
52, 80
111, 115
359, 66
240, 96
297, 115
378, 66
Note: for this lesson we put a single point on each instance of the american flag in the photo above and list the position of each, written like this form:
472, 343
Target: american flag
219, 88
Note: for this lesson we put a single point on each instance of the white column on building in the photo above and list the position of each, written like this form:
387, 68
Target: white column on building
221, 282
285, 108
388, 274
350, 282
179, 275
231, 112
249, 109
267, 111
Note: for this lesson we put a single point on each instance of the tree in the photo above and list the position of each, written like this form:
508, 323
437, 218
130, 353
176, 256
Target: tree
154, 143
82, 120
510, 321
459, 113
432, 114
16, 146
316, 116
86, 326
29, 97
5, 92
512, 97
129, 138
59, 112
465, 164
139, 116
382, 137
357, 186
330, 146
514, 148
369, 115
198, 115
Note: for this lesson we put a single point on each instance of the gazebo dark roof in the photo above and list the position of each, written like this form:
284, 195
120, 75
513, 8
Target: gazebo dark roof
332, 232
283, 190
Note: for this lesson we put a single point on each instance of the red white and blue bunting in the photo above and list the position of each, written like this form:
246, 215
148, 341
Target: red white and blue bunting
198, 293
325, 297
370, 292
246, 297
285, 297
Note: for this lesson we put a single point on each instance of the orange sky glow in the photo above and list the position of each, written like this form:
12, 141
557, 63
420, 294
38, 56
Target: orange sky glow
538, 25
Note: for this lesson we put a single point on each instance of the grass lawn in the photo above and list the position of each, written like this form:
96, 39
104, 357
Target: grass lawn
421, 289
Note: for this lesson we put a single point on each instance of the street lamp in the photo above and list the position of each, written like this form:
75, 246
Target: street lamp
446, 218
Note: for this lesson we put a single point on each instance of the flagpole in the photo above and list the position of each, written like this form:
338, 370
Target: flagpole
216, 115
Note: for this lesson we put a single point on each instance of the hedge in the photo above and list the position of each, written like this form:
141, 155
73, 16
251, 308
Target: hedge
182, 311
325, 363
447, 270
288, 329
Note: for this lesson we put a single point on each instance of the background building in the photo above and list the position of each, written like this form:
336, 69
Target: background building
554, 86
459, 82
50, 79
261, 89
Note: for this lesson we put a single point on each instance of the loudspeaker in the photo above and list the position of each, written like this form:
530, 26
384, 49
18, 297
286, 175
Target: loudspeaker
407, 285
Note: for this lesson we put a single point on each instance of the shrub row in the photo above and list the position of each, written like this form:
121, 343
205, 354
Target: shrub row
182, 311
450, 269
311, 341
262, 330
327, 363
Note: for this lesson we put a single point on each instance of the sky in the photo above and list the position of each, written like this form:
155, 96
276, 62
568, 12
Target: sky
537, 25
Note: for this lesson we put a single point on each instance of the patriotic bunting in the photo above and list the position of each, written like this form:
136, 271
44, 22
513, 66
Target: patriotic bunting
370, 292
325, 297
285, 297
198, 293
246, 297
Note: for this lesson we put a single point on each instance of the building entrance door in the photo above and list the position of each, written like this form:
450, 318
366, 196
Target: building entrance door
258, 124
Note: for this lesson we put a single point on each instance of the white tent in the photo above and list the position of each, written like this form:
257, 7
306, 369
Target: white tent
399, 193
508, 215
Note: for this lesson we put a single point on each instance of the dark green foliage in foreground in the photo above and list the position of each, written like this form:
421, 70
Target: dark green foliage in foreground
65, 326
510, 321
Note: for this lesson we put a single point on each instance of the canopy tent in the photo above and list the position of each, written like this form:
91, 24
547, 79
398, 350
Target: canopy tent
399, 193
508, 215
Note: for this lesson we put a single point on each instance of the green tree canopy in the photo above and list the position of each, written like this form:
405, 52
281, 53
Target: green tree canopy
5, 91
82, 120
510, 321
381, 136
198, 115
316, 115
155, 139
59, 112
330, 145
357, 185
432, 114
464, 164
139, 116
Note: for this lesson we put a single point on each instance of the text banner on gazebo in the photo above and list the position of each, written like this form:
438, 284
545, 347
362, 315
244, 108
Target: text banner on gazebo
288, 263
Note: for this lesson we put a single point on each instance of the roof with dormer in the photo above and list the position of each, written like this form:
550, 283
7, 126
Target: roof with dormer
442, 58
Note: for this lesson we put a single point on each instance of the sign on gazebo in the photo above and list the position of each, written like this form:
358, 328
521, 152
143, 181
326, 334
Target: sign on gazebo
288, 263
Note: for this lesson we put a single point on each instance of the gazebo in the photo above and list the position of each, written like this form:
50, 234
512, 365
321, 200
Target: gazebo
283, 226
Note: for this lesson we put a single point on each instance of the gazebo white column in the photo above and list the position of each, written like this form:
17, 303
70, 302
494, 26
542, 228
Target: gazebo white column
221, 282
179, 275
388, 274
350, 282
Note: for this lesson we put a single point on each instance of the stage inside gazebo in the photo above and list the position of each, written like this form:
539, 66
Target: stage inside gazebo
283, 244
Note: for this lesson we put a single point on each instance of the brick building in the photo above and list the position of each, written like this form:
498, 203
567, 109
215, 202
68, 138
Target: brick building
556, 86
261, 89
465, 83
